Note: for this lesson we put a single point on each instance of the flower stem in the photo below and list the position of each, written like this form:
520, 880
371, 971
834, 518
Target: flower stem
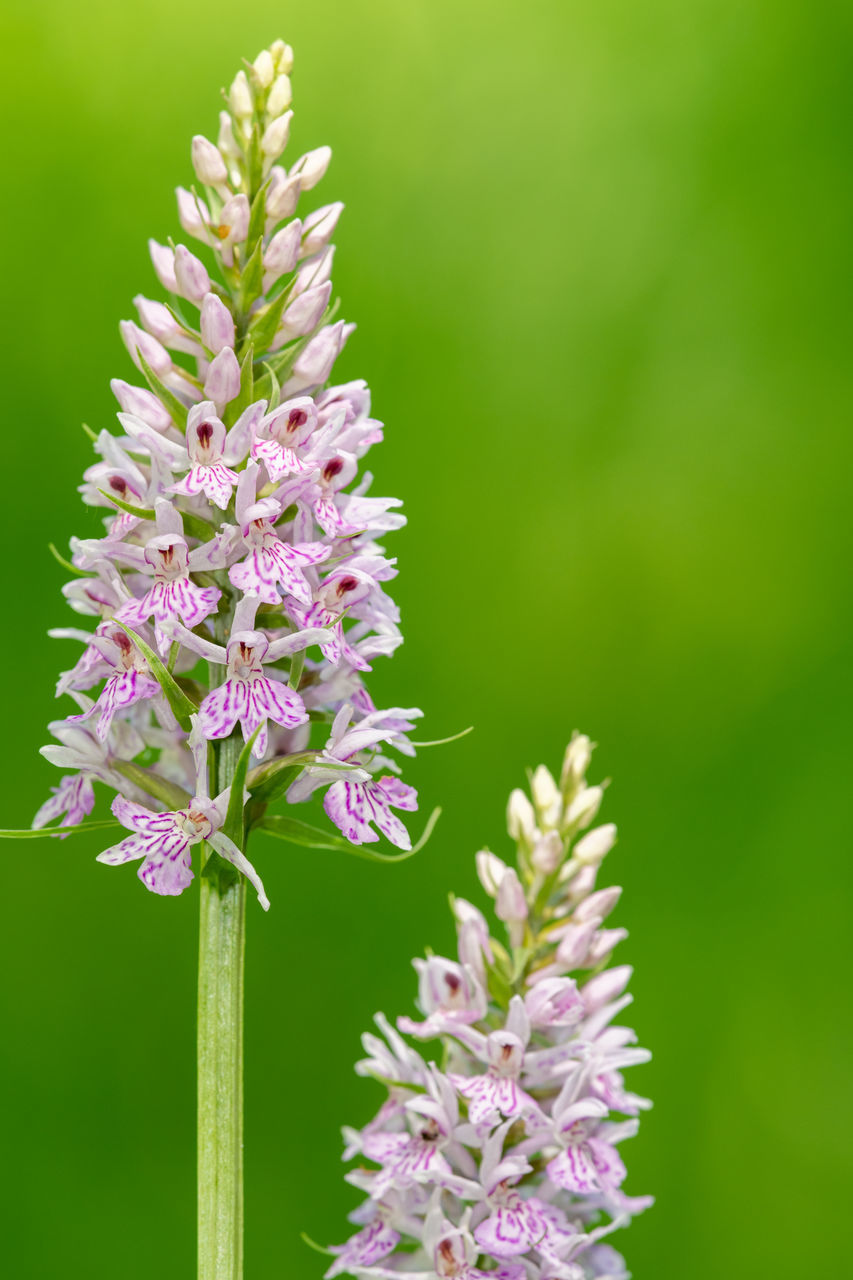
221, 963
220, 1077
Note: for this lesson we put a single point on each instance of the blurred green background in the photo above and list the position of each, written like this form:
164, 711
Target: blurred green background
599, 256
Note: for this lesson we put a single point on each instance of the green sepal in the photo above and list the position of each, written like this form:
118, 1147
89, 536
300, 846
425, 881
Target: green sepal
255, 159
257, 217
66, 564
283, 361
262, 778
298, 832
34, 834
252, 277
173, 406
265, 323
181, 705
273, 396
183, 323
194, 525
441, 742
312, 1244
144, 513
297, 666
245, 395
173, 796
233, 825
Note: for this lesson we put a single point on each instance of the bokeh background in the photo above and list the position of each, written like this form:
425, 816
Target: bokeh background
599, 256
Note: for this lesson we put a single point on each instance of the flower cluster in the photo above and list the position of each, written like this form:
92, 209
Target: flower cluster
503, 1161
239, 585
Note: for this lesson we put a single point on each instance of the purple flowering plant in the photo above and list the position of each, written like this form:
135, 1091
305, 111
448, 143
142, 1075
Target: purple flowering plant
238, 596
496, 1154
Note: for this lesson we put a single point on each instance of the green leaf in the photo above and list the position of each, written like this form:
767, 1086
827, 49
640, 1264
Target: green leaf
173, 796
302, 833
181, 705
144, 513
29, 834
233, 825
66, 564
173, 406
252, 278
245, 395
265, 323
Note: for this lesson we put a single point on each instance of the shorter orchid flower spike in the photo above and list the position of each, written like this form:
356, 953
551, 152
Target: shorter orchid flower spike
507, 1162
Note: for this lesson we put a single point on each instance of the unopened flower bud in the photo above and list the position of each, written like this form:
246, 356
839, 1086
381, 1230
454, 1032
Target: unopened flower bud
598, 904
193, 214
602, 945
311, 167
275, 136
222, 382
163, 261
226, 142
264, 69
595, 845
584, 807
576, 761
139, 343
282, 56
510, 903
282, 252
280, 96
520, 818
191, 275
546, 796
282, 195
142, 403
491, 871
315, 363
314, 271
240, 97
605, 987
547, 853
318, 227
303, 315
473, 936
575, 943
158, 320
208, 163
234, 219
217, 324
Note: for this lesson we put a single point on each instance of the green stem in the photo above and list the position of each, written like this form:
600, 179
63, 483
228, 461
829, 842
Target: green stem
220, 1050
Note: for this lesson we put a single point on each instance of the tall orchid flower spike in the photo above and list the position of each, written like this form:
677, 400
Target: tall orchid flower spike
506, 1161
238, 592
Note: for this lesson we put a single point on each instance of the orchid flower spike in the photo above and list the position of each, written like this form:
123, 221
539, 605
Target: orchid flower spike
239, 589
506, 1161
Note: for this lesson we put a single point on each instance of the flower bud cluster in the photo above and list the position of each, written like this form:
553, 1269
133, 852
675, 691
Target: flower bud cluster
239, 587
501, 1158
